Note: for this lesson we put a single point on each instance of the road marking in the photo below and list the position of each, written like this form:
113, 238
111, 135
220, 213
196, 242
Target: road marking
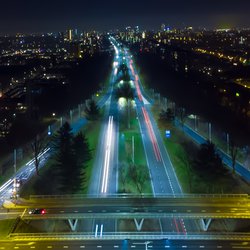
82, 246
167, 246
23, 212
201, 246
116, 246
99, 246
61, 211
184, 246
219, 246
76, 211
32, 247
49, 246
65, 246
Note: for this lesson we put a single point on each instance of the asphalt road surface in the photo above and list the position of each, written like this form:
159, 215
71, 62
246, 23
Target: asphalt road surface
125, 244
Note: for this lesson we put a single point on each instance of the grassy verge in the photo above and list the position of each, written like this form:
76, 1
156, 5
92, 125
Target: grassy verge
126, 152
182, 151
5, 227
36, 184
92, 132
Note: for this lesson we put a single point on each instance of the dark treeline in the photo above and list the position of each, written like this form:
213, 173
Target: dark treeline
196, 95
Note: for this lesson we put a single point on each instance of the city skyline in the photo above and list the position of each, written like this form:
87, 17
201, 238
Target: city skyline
29, 16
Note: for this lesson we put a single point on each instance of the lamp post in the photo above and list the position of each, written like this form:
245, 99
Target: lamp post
71, 116
210, 132
15, 182
227, 143
133, 149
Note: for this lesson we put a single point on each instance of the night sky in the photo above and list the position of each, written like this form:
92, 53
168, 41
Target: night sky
58, 15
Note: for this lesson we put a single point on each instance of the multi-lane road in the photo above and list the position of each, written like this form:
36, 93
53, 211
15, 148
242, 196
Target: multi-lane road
126, 244
104, 183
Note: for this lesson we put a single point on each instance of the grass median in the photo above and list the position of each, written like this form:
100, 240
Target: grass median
131, 153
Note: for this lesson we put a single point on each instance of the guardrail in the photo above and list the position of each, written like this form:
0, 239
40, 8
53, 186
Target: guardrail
142, 215
131, 236
75, 196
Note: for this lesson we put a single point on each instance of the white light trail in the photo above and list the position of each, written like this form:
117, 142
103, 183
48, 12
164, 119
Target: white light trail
107, 155
96, 230
6, 184
101, 231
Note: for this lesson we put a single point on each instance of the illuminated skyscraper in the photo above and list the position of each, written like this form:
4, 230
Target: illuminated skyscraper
163, 27
69, 35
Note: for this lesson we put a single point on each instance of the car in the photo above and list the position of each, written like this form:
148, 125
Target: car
37, 211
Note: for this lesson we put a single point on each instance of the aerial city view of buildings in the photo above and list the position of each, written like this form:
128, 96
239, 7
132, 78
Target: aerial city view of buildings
133, 136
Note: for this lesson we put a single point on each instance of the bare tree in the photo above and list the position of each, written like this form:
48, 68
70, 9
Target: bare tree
139, 176
234, 150
38, 145
123, 175
182, 116
184, 157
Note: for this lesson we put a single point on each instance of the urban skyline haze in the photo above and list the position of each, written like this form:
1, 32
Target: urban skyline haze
48, 16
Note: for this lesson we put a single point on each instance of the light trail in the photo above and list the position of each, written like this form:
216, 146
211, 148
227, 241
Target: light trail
107, 155
6, 184
152, 135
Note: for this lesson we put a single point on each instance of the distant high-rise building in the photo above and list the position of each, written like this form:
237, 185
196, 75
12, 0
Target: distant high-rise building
163, 27
1, 90
69, 35
241, 40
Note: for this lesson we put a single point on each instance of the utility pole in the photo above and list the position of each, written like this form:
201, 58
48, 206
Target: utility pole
195, 122
61, 121
133, 149
15, 182
227, 143
71, 116
210, 132
79, 110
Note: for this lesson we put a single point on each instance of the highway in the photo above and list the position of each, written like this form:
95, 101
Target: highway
162, 174
101, 215
125, 244
121, 207
104, 180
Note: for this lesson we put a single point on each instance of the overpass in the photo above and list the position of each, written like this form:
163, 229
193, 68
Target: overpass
75, 208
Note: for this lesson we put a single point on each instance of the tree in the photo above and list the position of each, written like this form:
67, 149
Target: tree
181, 113
92, 110
82, 154
139, 176
166, 115
38, 145
64, 156
209, 161
187, 163
126, 91
125, 72
234, 150
71, 155
123, 175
